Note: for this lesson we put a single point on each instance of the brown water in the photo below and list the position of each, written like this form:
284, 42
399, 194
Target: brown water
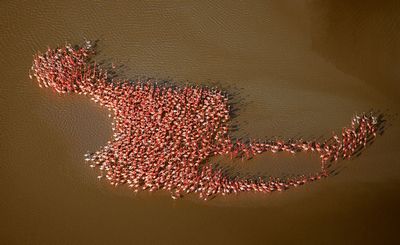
302, 69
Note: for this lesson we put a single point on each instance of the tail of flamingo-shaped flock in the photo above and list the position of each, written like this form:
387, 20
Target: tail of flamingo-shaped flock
163, 136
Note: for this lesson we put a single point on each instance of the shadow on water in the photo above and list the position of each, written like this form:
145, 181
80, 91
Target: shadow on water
118, 72
333, 168
237, 101
384, 121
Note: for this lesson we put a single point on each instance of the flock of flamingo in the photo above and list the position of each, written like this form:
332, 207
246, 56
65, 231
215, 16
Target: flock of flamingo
163, 136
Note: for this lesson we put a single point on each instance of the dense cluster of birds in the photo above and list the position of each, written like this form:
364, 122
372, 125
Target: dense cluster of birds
163, 136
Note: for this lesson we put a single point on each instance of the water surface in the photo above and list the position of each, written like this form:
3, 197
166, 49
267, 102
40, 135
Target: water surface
301, 69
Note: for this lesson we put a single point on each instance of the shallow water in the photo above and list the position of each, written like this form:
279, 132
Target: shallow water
300, 70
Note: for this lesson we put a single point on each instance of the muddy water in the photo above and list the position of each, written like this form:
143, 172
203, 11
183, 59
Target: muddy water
299, 68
